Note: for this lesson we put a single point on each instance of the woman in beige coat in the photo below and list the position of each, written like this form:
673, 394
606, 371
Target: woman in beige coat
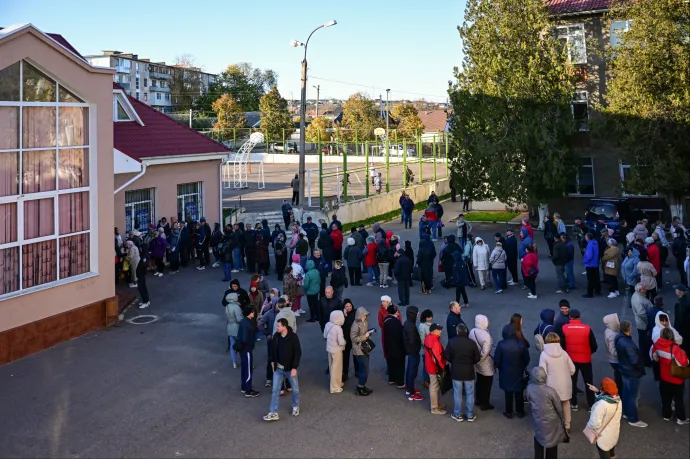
335, 345
611, 261
559, 369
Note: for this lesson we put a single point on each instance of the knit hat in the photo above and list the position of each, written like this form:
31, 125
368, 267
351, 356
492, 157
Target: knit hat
386, 298
295, 258
609, 386
498, 235
350, 241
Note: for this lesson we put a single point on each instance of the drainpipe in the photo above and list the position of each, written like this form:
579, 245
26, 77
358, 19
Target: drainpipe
220, 190
133, 179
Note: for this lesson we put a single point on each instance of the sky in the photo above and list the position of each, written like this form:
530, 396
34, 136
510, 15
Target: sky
407, 46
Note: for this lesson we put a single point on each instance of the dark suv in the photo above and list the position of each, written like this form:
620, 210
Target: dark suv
612, 211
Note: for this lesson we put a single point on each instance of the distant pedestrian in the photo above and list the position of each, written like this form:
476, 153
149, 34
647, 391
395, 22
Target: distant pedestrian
294, 184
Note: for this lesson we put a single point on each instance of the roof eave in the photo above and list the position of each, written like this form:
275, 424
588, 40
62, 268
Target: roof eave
581, 13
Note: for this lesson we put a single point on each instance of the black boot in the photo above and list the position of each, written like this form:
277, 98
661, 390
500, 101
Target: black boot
367, 390
361, 391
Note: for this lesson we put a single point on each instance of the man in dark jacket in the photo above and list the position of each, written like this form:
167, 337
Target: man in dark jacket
312, 233
242, 296
560, 258
285, 358
682, 315
249, 243
329, 303
579, 342
447, 260
570, 260
325, 244
413, 344
357, 237
511, 248
225, 249
338, 279
402, 272
407, 205
238, 250
454, 319
246, 338
425, 259
203, 241
336, 222
462, 354
286, 210
631, 366
562, 318
394, 347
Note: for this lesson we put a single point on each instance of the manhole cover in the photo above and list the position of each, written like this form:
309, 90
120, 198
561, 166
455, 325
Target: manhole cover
143, 320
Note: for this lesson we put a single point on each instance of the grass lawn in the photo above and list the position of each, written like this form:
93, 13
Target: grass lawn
491, 216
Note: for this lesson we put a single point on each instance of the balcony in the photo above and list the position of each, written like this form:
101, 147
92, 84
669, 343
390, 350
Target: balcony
156, 74
123, 69
159, 88
125, 85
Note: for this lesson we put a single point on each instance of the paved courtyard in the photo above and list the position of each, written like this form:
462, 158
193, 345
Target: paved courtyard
168, 389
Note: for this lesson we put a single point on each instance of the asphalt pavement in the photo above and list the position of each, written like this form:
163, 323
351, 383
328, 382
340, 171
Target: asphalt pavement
168, 389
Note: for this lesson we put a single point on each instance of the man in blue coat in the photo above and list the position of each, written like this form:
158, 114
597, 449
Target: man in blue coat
591, 262
511, 248
454, 319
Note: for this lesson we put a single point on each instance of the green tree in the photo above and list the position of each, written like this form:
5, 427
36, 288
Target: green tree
246, 83
512, 120
185, 82
230, 114
409, 123
275, 115
360, 118
318, 129
647, 105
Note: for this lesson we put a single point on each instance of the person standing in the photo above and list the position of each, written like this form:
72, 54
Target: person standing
570, 260
682, 315
640, 307
678, 248
671, 388
550, 233
338, 279
174, 250
590, 260
485, 367
426, 255
579, 342
245, 346
413, 345
203, 241
311, 284
480, 261
511, 358
134, 258
141, 271
354, 258
631, 366
559, 369
462, 354
560, 259
432, 218
335, 346
394, 347
497, 263
407, 209
629, 270
511, 248
547, 414
157, 248
359, 334
454, 319
402, 272
435, 364
530, 271
329, 303
613, 328
464, 228
285, 358
234, 316
349, 320
612, 267
249, 244
294, 184
605, 419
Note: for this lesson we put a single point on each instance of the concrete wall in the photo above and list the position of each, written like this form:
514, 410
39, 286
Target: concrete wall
165, 178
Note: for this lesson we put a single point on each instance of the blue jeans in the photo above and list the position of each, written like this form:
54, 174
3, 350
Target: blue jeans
374, 273
560, 277
363, 370
303, 262
407, 218
499, 277
469, 397
233, 355
278, 377
433, 225
631, 394
425, 373
226, 271
411, 371
236, 258
569, 271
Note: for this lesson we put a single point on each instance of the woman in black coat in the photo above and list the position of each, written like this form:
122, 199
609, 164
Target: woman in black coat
349, 312
511, 358
281, 251
262, 259
425, 259
325, 244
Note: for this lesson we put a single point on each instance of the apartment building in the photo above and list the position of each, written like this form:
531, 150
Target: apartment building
152, 82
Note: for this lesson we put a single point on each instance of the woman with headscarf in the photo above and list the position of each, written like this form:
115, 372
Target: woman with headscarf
605, 419
280, 251
485, 367
234, 316
612, 267
133, 259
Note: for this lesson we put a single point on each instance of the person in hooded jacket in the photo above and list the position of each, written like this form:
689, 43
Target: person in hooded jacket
605, 419
461, 279
233, 314
497, 264
485, 367
354, 259
480, 261
349, 320
511, 358
462, 354
249, 243
402, 273
242, 296
413, 345
545, 326
547, 415
530, 271
157, 249
274, 235
394, 347
629, 269
311, 283
325, 244
562, 318
671, 388
359, 334
370, 263
425, 259
559, 369
613, 328
335, 345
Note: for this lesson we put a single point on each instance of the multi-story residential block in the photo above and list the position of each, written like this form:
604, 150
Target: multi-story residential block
152, 82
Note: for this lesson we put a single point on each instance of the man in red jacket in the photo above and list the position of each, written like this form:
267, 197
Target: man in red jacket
435, 363
579, 342
337, 238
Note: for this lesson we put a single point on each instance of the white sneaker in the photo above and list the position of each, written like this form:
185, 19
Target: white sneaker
159, 274
682, 423
612, 295
295, 411
511, 283
296, 313
638, 424
215, 265
133, 285
618, 293
271, 417
201, 268
145, 305
584, 273
532, 297
302, 311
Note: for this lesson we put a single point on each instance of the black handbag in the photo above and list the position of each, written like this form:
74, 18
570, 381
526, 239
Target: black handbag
367, 346
238, 346
416, 273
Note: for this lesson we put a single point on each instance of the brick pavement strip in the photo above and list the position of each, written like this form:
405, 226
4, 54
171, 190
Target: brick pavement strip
168, 389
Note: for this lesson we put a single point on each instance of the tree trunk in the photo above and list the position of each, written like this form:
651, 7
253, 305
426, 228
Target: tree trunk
543, 211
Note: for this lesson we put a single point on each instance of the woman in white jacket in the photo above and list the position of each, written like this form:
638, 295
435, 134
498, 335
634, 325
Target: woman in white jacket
480, 261
335, 345
559, 369
485, 367
605, 419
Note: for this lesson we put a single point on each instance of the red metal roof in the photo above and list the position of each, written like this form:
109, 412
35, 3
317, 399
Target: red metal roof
577, 6
60, 39
160, 135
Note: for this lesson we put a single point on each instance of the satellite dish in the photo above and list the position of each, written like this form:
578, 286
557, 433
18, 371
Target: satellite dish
379, 131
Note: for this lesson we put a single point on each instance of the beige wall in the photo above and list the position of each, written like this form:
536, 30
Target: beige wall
165, 178
95, 86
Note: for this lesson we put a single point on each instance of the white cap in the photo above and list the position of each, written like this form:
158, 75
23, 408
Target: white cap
386, 298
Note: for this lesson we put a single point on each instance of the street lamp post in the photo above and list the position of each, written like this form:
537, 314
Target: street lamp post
303, 109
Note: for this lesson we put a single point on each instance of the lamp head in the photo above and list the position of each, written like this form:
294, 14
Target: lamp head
329, 24
295, 43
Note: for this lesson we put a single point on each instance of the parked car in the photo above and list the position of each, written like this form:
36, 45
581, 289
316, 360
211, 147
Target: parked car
292, 147
397, 150
612, 211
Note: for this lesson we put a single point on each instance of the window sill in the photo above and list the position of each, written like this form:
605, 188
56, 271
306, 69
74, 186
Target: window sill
54, 284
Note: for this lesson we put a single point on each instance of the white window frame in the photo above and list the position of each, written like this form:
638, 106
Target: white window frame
20, 199
621, 169
577, 180
567, 36
200, 199
614, 37
152, 208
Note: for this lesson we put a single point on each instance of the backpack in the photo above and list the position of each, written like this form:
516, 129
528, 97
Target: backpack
539, 337
381, 255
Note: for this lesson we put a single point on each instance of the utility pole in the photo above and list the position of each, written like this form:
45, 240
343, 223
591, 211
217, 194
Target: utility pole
387, 110
318, 88
190, 118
